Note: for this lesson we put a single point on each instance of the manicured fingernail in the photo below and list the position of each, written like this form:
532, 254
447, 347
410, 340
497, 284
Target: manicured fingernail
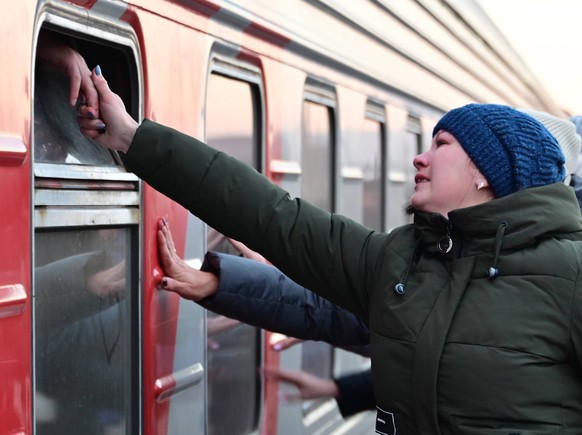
101, 128
277, 347
98, 70
90, 115
164, 283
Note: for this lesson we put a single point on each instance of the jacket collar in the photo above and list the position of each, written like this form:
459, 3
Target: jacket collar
529, 215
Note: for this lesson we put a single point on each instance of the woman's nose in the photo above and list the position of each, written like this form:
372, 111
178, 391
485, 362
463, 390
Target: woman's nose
420, 161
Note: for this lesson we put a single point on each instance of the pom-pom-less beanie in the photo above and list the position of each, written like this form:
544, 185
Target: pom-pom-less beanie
512, 150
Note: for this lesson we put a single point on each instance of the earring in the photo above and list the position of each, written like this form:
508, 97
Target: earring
481, 185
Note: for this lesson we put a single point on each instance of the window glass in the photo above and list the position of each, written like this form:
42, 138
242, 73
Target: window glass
368, 156
316, 187
316, 155
82, 285
233, 348
402, 173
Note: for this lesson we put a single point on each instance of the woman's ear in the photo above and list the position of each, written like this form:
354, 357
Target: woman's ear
481, 183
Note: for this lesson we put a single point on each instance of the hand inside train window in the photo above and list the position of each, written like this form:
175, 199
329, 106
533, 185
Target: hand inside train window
57, 138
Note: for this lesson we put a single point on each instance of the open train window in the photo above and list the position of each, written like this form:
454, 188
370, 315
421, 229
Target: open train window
234, 125
318, 147
59, 148
86, 248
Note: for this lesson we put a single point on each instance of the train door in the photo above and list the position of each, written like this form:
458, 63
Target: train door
234, 124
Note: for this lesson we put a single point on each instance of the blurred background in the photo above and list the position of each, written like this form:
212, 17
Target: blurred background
548, 36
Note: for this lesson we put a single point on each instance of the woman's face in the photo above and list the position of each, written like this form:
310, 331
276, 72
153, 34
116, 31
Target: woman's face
446, 178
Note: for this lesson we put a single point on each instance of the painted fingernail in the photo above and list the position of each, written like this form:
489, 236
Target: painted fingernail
98, 70
164, 283
90, 115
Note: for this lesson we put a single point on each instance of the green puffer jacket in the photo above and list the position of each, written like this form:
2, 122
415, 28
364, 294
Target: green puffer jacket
483, 339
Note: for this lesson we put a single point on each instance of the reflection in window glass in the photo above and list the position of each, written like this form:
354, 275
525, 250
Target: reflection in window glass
82, 291
233, 348
316, 187
57, 138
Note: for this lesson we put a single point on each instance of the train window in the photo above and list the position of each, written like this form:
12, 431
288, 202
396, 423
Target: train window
86, 255
368, 156
83, 346
317, 154
317, 162
371, 155
232, 125
402, 170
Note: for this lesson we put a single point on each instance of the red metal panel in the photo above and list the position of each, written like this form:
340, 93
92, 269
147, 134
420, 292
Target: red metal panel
15, 232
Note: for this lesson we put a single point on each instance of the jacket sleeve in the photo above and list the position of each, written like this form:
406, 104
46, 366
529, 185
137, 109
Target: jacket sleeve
356, 393
327, 253
260, 295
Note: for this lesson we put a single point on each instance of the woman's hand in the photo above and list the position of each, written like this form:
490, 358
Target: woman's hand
115, 128
180, 278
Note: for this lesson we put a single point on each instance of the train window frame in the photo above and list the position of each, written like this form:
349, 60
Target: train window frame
70, 197
70, 21
223, 62
322, 93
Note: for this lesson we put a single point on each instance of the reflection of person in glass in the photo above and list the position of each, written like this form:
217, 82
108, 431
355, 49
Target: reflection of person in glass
80, 330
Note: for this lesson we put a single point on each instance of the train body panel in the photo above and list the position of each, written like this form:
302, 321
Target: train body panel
329, 99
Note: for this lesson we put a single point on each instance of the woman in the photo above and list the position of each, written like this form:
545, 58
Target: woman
475, 310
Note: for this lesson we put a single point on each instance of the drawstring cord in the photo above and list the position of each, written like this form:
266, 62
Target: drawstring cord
493, 271
445, 245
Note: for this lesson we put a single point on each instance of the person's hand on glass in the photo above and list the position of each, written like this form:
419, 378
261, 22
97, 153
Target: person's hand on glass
108, 283
308, 386
246, 252
281, 342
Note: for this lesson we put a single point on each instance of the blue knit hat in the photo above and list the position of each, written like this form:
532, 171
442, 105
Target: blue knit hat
512, 150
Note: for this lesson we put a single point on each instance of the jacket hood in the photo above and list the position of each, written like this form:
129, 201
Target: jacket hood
527, 216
